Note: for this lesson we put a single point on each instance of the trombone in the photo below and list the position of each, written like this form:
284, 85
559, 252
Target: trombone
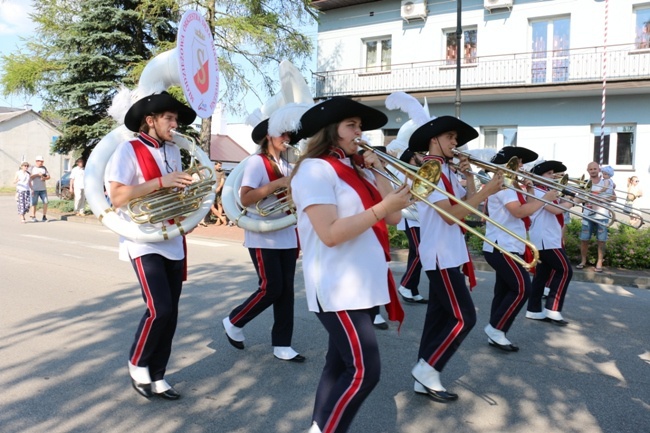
425, 180
511, 173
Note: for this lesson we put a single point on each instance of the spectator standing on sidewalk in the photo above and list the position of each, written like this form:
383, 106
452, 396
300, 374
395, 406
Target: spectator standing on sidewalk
39, 175
77, 187
23, 187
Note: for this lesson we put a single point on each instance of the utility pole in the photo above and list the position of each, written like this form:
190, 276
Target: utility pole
459, 36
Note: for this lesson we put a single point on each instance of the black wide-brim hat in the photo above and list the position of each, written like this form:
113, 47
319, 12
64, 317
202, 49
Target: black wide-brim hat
505, 154
262, 129
406, 156
421, 137
157, 103
335, 110
545, 166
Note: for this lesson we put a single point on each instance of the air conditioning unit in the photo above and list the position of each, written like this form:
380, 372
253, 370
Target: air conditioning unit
414, 9
497, 4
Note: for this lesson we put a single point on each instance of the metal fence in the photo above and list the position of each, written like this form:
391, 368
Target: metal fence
581, 65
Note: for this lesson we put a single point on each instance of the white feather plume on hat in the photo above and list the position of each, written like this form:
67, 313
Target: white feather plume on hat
287, 118
419, 115
122, 101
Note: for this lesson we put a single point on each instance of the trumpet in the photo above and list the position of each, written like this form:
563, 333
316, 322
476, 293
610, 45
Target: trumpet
173, 203
424, 181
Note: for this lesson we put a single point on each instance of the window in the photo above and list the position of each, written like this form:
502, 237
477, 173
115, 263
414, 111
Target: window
377, 54
642, 39
618, 148
498, 137
468, 39
550, 50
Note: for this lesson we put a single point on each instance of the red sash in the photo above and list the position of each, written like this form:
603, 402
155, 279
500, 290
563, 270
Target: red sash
468, 268
370, 196
528, 253
150, 170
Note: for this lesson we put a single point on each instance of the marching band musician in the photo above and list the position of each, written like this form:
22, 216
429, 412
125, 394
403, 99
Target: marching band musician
274, 254
512, 284
450, 313
408, 287
554, 267
342, 214
137, 168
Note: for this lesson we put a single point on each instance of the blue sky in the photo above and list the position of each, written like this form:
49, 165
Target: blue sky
15, 23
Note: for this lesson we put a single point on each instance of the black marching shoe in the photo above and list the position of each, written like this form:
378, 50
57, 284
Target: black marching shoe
144, 389
560, 322
439, 396
504, 347
170, 394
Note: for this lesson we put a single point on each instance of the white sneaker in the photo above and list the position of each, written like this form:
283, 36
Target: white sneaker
427, 375
285, 353
496, 336
535, 316
418, 298
379, 322
233, 332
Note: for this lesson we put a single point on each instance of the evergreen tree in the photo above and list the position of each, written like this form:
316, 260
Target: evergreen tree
85, 49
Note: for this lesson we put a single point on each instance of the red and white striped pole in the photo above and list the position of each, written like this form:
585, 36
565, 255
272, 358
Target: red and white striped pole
604, 98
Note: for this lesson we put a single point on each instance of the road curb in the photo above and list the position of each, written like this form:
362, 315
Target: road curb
619, 277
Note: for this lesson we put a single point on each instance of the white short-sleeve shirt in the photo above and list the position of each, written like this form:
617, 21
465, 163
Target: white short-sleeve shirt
496, 205
77, 174
545, 230
351, 275
442, 246
412, 222
255, 176
123, 168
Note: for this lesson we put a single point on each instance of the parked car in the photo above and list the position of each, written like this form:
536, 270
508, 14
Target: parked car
63, 187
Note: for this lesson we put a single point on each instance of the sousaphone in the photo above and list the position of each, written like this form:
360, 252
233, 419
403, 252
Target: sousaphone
192, 64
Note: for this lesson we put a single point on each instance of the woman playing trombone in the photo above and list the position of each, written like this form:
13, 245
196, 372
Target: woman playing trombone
555, 269
342, 214
450, 313
512, 285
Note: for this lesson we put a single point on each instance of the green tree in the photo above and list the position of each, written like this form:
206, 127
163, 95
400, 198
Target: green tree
85, 49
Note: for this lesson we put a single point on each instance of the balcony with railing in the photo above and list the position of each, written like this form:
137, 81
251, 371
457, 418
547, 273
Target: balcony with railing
582, 65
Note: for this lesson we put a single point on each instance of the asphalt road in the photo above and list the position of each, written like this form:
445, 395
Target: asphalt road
69, 308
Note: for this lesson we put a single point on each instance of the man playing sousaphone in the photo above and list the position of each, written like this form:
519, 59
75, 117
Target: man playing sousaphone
139, 167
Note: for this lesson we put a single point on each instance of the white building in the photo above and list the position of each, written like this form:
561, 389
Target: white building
531, 71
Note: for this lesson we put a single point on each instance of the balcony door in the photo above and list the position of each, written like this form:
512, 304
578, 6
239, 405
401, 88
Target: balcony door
550, 50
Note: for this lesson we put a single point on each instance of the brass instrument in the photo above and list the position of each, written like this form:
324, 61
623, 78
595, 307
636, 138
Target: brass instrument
424, 181
282, 203
511, 170
173, 203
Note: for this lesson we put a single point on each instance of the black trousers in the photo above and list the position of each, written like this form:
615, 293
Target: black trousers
511, 290
450, 316
411, 278
161, 281
275, 271
555, 271
352, 368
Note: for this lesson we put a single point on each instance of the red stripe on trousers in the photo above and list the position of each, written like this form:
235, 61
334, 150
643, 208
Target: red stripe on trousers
353, 389
152, 313
563, 283
457, 314
520, 292
411, 269
262, 294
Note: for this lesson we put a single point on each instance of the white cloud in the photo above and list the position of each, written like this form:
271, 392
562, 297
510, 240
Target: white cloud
14, 18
